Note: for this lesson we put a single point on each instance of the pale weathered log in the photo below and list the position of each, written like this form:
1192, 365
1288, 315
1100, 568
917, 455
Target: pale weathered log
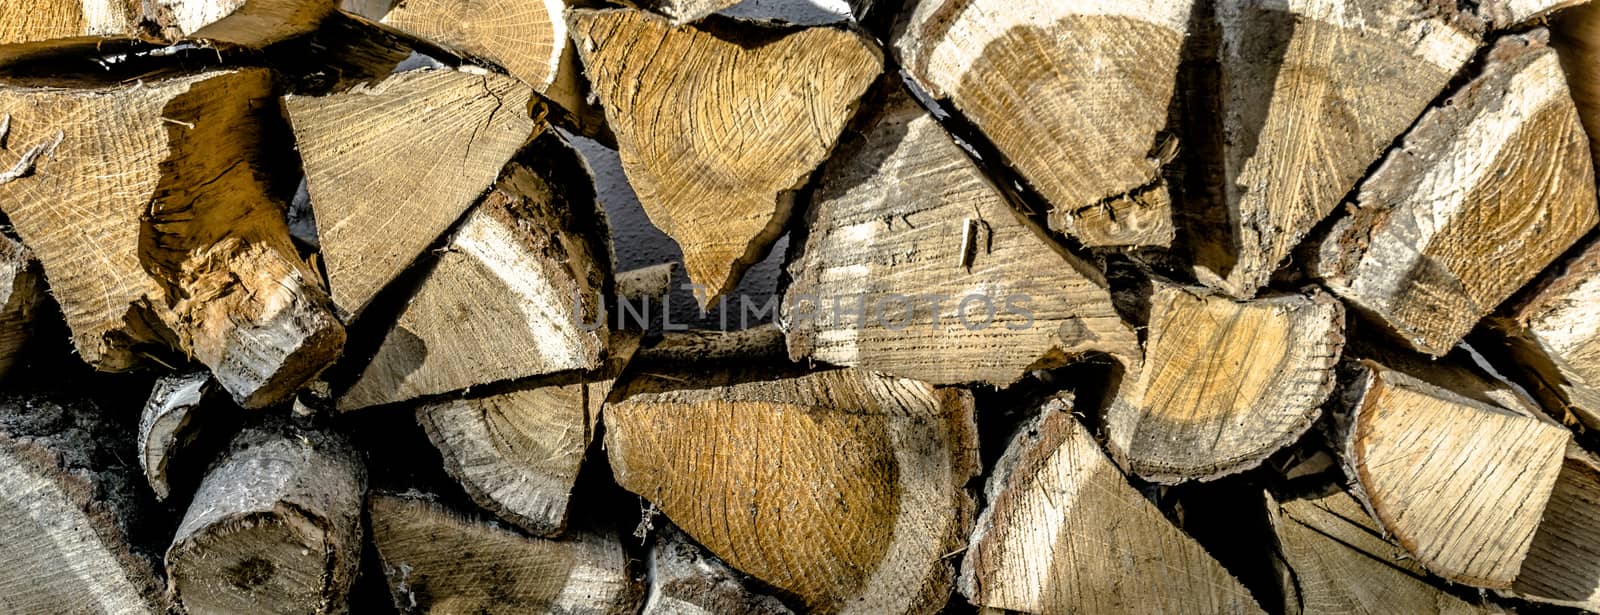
1563, 563
182, 410
275, 526
1481, 196
654, 281
911, 253
1458, 482
22, 296
756, 344
719, 123
683, 11
519, 290
1065, 532
1553, 337
1502, 14
148, 209
844, 489
438, 560
1224, 384
391, 166
43, 20
1074, 93
247, 23
685, 579
1340, 562
69, 506
1313, 91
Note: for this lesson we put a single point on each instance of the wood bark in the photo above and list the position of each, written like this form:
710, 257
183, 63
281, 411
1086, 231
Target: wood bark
842, 489
23, 22
683, 11
1460, 483
438, 560
519, 290
1225, 384
22, 297
183, 410
1481, 196
687, 580
275, 526
910, 250
387, 177
1065, 532
733, 118
1073, 93
147, 208
69, 513
1553, 337
1312, 92
1563, 563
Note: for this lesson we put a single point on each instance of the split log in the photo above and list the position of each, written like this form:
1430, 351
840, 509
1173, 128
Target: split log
517, 453
182, 411
69, 513
1482, 194
1065, 532
440, 561
1563, 563
1458, 482
22, 295
147, 207
1575, 35
1073, 93
1503, 14
388, 175
275, 526
757, 344
1225, 384
687, 580
1341, 563
22, 22
683, 11
1312, 94
910, 252
247, 23
719, 123
1553, 337
519, 290
843, 489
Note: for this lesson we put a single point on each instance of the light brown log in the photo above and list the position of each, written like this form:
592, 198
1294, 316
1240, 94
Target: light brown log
438, 560
719, 123
1065, 532
1563, 563
1553, 337
1458, 482
247, 23
1575, 35
182, 410
1481, 196
911, 253
22, 297
843, 489
275, 526
1313, 91
68, 505
685, 579
1074, 93
148, 208
1225, 384
22, 22
519, 290
391, 166
1341, 563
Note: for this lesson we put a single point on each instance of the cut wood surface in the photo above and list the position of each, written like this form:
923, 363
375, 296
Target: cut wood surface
1074, 93
1563, 563
517, 453
1065, 532
1481, 196
719, 123
182, 409
146, 207
1225, 384
526, 37
910, 252
68, 507
1341, 563
1459, 483
519, 290
1575, 35
688, 580
1553, 335
22, 298
43, 20
275, 526
247, 23
438, 560
844, 489
1313, 91
391, 166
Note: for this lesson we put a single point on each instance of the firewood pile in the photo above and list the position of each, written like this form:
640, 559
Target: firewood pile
1144, 306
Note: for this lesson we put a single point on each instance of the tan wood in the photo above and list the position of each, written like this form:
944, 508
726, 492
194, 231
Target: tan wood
22, 299
43, 20
1563, 563
246, 23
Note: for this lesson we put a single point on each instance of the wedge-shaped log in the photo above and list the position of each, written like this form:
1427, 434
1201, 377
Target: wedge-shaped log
68, 506
1482, 195
1553, 334
275, 526
687, 580
1563, 563
1313, 91
390, 167
843, 489
719, 123
22, 295
1074, 93
518, 291
248, 23
1225, 384
910, 252
1064, 532
1575, 34
1458, 482
147, 207
22, 22
438, 560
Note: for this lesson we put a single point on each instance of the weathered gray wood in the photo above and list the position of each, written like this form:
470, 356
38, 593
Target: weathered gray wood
22, 296
1553, 337
687, 580
182, 409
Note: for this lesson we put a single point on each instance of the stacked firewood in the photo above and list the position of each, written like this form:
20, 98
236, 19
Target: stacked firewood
1145, 306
